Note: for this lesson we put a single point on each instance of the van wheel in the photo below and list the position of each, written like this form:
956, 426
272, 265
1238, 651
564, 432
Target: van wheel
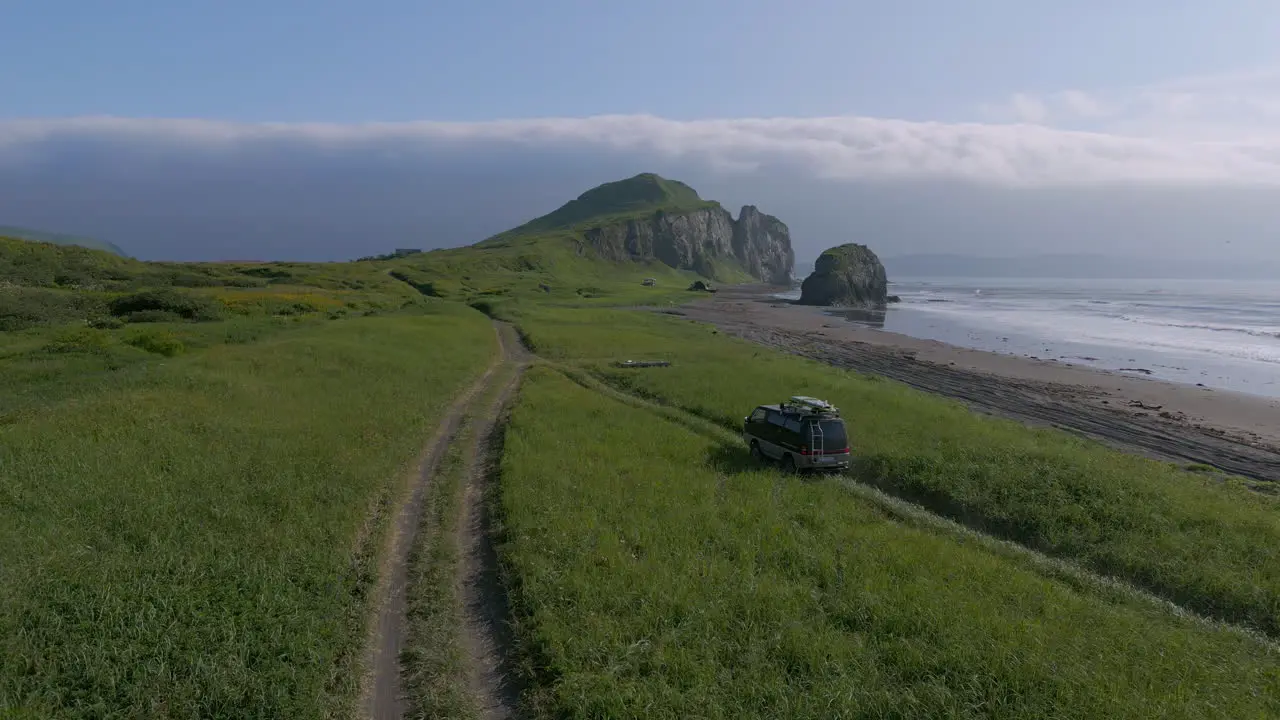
755, 452
788, 464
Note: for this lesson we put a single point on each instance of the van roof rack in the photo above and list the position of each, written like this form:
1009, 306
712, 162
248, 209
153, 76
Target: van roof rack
811, 404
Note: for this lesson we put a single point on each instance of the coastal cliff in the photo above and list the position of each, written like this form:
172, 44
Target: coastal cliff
847, 275
701, 241
648, 217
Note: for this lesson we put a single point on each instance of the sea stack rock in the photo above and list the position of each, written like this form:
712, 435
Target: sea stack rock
848, 275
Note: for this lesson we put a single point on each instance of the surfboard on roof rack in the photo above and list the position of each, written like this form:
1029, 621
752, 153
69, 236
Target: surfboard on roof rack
811, 404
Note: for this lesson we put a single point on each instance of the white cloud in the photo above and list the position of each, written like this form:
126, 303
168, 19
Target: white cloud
1082, 104
1241, 108
822, 148
1028, 108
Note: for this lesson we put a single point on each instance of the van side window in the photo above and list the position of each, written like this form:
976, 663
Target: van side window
775, 418
758, 415
793, 425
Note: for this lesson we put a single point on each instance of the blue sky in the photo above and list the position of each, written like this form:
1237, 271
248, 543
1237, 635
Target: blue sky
395, 60
193, 129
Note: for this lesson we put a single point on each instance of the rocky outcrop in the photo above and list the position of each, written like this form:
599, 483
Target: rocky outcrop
692, 240
762, 244
706, 240
848, 275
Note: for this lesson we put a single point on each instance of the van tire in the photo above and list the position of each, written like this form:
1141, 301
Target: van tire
756, 454
788, 464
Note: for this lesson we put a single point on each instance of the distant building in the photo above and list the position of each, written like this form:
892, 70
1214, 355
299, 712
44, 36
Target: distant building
650, 282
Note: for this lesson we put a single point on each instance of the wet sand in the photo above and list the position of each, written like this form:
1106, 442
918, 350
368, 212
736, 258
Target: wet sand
1236, 433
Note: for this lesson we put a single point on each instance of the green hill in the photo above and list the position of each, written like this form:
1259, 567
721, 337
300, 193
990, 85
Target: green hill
633, 197
59, 239
587, 250
555, 254
645, 226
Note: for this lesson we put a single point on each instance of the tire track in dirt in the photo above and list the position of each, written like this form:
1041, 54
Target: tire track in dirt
486, 633
383, 696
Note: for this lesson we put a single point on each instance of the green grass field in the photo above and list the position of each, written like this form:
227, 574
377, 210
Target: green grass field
198, 462
1204, 544
194, 536
657, 575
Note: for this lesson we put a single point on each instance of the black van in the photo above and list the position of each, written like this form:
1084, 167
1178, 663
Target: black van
803, 433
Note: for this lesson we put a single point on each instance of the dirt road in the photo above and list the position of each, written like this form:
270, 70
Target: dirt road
484, 630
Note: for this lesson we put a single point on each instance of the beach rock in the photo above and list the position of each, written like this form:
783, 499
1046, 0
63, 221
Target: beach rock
848, 275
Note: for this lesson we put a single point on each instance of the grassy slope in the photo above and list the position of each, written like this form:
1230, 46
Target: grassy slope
659, 577
550, 251
1207, 545
182, 536
59, 239
638, 196
240, 571
68, 267
43, 284
516, 268
187, 494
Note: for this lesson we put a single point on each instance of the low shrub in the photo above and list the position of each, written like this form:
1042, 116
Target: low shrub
159, 342
79, 340
174, 302
24, 307
106, 323
152, 316
296, 308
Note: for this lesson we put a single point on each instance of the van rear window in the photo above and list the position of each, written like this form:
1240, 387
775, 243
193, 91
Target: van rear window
834, 437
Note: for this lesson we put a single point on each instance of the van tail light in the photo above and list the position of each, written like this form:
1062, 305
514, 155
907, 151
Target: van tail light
804, 449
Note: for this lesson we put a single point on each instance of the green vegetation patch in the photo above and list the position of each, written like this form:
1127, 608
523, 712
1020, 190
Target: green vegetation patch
194, 536
45, 284
1207, 545
24, 307
638, 196
21, 233
556, 269
164, 304
160, 342
657, 575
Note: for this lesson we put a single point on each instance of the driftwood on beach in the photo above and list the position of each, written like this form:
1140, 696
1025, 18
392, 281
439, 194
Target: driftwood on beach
641, 363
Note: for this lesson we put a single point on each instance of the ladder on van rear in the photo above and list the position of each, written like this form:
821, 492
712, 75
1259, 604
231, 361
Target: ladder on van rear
817, 445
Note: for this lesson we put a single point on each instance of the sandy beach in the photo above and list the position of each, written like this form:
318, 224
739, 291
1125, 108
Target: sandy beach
1234, 432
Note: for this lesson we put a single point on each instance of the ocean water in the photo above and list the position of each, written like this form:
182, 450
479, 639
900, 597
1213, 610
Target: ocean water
1217, 333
